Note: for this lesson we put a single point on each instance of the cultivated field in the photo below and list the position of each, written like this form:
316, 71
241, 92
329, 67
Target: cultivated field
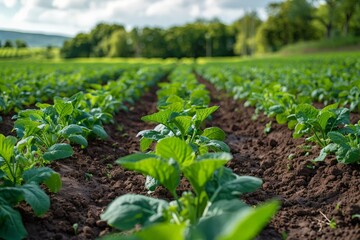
208, 149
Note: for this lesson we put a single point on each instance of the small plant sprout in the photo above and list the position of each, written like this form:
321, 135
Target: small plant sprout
75, 226
330, 222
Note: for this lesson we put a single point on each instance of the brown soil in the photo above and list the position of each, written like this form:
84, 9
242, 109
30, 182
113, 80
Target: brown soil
91, 180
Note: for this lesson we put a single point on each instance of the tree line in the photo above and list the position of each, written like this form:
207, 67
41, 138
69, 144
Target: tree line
288, 22
18, 43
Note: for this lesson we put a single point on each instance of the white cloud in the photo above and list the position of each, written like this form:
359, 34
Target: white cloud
9, 3
81, 15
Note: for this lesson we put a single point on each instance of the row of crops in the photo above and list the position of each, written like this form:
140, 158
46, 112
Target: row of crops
288, 91
47, 132
57, 106
184, 148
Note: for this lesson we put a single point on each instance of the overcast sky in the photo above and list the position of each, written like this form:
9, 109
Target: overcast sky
69, 17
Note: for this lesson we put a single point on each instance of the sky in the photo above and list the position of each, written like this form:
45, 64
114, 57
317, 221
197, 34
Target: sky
69, 17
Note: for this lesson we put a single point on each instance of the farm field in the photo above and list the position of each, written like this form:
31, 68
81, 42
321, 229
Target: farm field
285, 139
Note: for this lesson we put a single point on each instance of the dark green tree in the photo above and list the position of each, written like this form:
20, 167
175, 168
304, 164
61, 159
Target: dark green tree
8, 44
20, 44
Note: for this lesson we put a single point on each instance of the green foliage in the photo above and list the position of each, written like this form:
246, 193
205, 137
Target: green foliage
19, 181
212, 210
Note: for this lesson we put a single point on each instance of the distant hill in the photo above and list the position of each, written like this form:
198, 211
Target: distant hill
33, 39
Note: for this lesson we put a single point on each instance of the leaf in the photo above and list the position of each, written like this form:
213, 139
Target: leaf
150, 164
145, 143
36, 198
342, 116
7, 147
43, 175
183, 123
78, 139
351, 156
11, 226
163, 231
217, 146
158, 117
62, 107
227, 185
281, 118
71, 129
214, 133
202, 114
128, 210
177, 149
248, 223
305, 112
324, 117
199, 172
100, 132
58, 151
338, 138
225, 206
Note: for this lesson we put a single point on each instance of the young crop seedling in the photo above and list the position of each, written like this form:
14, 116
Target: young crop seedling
19, 181
213, 201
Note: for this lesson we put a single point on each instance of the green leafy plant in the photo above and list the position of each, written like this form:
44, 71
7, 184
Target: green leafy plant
213, 194
185, 125
318, 123
20, 182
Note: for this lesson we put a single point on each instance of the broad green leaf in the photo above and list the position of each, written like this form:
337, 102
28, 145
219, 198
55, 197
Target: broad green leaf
199, 172
27, 126
183, 123
239, 185
36, 198
214, 133
100, 132
31, 113
13, 195
202, 114
277, 109
145, 143
227, 185
342, 116
163, 231
11, 226
58, 151
62, 107
217, 146
351, 156
7, 147
177, 149
78, 139
225, 206
129, 210
324, 117
337, 138
329, 107
71, 129
158, 117
248, 223
305, 112
43, 175
150, 164
281, 118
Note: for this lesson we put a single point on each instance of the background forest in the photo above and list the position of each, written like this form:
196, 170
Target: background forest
288, 22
